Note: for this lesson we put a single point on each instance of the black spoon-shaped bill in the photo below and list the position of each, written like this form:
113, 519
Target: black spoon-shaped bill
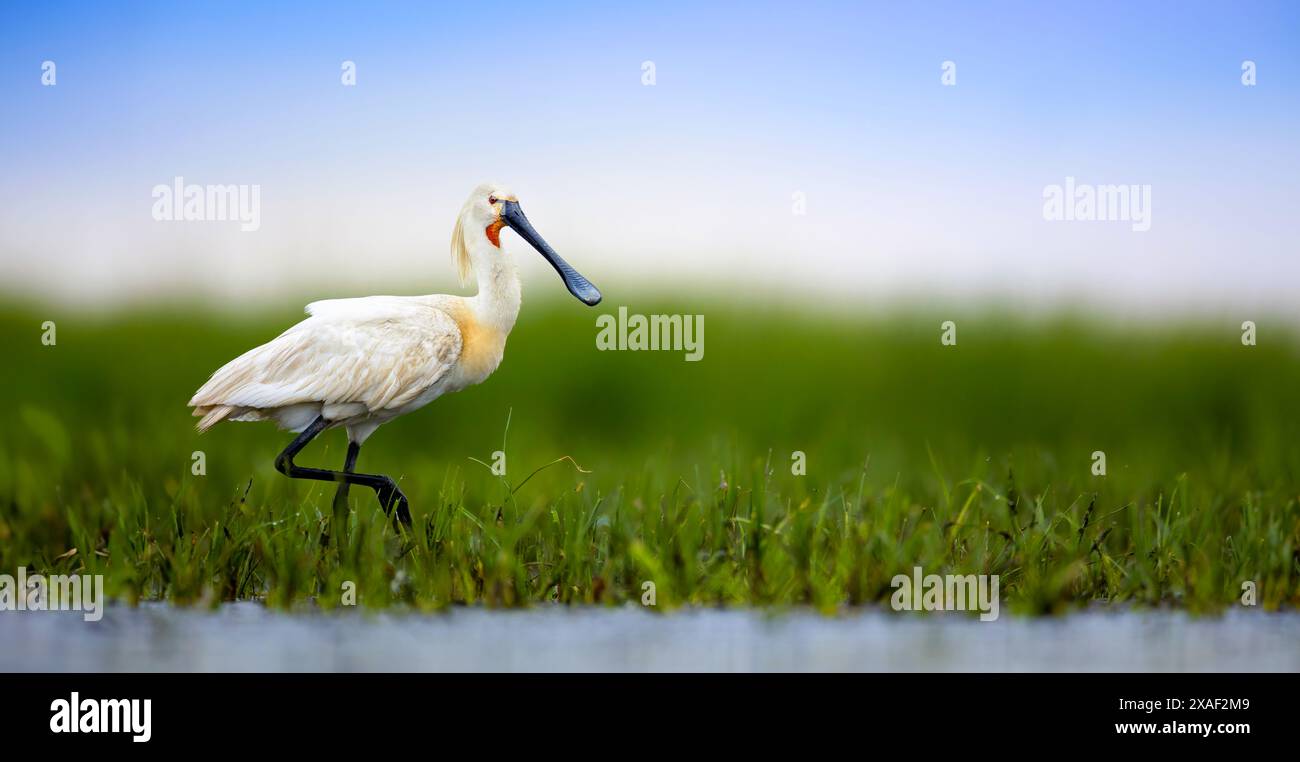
579, 286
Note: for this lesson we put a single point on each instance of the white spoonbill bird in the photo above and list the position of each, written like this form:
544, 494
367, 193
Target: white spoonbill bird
358, 363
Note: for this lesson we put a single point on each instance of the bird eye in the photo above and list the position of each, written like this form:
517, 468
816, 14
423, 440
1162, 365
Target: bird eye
492, 199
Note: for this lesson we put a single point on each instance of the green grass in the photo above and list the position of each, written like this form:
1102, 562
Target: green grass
966, 459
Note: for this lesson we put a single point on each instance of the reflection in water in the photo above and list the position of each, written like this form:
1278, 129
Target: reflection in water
248, 637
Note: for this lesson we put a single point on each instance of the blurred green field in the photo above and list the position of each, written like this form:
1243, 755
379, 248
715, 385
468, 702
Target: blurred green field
968, 459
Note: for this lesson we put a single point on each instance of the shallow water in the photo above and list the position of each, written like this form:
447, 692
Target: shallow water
249, 637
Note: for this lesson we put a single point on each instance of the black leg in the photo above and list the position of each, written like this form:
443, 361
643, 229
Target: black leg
385, 488
339, 523
349, 466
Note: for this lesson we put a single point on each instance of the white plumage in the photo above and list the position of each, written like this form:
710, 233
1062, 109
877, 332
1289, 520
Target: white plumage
356, 362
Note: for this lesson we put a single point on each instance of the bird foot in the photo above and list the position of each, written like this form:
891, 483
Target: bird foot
390, 496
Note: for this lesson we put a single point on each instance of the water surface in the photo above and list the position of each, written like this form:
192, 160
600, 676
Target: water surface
249, 637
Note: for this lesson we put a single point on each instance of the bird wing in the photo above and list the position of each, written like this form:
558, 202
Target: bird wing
377, 351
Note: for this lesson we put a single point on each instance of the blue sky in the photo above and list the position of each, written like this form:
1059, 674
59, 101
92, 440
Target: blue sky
912, 188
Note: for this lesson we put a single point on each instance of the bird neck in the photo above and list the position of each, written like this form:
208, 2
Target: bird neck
498, 297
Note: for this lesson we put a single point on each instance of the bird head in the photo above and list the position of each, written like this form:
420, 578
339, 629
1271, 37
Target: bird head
491, 207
